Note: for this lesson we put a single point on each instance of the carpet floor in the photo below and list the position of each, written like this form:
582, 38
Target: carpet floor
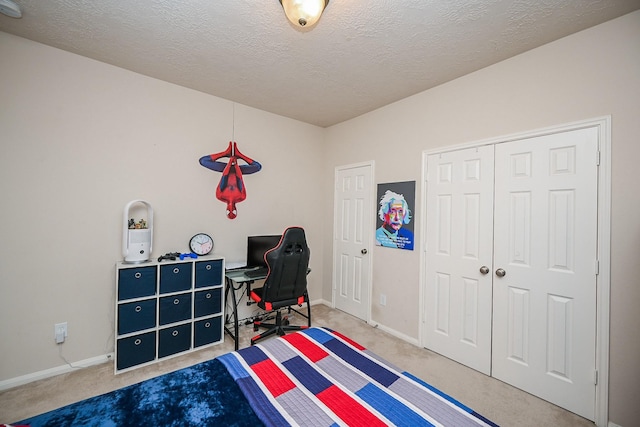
500, 402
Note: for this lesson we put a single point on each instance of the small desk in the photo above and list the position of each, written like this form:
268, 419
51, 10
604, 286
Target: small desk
239, 278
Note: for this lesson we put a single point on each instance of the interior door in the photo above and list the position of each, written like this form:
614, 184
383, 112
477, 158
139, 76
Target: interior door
459, 231
544, 317
353, 231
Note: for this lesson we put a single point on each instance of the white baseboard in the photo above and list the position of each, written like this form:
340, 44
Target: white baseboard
375, 324
320, 301
395, 333
613, 424
47, 373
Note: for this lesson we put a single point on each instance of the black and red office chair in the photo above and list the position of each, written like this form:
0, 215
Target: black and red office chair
285, 285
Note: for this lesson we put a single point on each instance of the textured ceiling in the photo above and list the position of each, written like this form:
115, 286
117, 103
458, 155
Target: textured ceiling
360, 56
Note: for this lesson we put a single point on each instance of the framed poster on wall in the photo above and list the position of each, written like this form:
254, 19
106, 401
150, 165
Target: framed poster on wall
394, 228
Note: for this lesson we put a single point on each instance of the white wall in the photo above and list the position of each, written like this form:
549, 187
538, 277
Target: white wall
80, 139
590, 74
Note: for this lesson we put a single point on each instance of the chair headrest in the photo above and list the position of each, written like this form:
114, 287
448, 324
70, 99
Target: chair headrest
288, 262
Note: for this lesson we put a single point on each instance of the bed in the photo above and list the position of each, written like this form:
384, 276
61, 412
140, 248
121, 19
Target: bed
314, 377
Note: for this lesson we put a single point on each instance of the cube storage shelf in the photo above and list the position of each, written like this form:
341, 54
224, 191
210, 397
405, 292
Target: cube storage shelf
168, 308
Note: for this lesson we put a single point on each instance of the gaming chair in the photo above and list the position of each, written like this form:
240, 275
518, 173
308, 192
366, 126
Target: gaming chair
285, 284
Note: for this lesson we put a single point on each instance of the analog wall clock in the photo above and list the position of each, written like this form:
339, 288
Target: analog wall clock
201, 244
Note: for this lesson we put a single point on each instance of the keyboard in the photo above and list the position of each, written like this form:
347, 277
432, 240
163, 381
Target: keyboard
259, 272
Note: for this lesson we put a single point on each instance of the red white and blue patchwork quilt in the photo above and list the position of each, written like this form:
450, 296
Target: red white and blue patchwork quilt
318, 377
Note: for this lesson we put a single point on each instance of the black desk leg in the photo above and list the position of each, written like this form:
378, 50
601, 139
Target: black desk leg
234, 334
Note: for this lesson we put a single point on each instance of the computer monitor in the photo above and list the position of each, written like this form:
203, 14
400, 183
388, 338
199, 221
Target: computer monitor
256, 248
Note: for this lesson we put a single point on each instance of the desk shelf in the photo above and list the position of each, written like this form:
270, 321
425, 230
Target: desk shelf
164, 309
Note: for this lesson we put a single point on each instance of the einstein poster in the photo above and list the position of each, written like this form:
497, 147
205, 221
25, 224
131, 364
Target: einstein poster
394, 226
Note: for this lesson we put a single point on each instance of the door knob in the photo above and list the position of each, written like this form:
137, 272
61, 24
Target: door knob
484, 269
363, 252
500, 272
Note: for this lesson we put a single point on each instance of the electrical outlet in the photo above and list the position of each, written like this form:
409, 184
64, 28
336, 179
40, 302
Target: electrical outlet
60, 332
383, 299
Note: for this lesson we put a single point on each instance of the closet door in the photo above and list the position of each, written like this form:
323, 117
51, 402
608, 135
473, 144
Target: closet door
459, 207
544, 311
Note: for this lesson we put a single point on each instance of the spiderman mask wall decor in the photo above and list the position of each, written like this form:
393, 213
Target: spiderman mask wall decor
231, 189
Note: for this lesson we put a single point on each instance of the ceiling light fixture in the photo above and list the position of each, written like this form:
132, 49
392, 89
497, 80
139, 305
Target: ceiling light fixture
9, 8
303, 13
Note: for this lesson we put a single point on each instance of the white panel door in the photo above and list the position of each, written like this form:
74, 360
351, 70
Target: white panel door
458, 260
544, 311
353, 232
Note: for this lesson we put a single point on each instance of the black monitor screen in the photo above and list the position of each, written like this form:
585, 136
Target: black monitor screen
257, 246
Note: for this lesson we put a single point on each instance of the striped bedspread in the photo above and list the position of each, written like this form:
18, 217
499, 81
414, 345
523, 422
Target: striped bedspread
318, 377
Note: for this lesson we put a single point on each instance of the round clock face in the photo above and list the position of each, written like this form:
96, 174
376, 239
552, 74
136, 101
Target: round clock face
201, 244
